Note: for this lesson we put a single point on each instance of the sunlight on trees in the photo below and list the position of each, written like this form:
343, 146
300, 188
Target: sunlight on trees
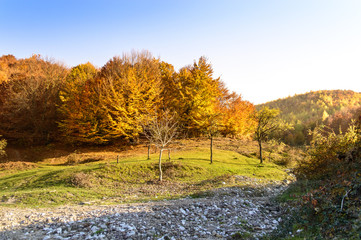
76, 106
42, 101
29, 100
267, 123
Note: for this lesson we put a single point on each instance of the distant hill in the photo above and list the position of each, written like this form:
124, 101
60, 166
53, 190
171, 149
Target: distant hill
304, 111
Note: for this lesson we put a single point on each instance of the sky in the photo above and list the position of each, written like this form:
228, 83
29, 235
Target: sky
261, 49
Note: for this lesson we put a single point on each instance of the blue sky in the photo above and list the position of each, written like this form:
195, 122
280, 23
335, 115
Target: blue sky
264, 50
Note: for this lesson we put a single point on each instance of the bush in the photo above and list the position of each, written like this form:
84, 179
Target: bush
330, 207
328, 153
3, 144
283, 155
75, 159
81, 180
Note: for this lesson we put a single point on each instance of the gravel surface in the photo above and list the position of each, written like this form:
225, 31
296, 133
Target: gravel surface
218, 214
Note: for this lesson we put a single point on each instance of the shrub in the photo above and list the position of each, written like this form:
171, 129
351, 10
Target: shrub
3, 144
81, 180
330, 208
74, 159
328, 153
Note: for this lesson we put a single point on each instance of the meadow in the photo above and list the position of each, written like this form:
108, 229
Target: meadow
108, 177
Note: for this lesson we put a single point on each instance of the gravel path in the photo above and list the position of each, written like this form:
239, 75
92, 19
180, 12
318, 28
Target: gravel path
220, 214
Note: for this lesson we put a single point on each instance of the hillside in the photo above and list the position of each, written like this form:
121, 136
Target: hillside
95, 175
304, 111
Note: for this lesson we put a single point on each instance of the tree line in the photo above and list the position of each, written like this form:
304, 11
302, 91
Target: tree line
42, 101
333, 108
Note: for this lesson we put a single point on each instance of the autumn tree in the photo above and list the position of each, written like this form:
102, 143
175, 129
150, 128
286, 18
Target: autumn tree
77, 108
29, 100
112, 103
340, 121
237, 116
129, 90
161, 130
267, 123
169, 87
6, 67
203, 102
199, 95
195, 95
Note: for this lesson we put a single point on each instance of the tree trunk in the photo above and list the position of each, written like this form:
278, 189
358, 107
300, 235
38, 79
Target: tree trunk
169, 154
148, 151
260, 151
160, 165
211, 149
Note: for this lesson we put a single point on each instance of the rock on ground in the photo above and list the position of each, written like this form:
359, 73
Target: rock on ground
217, 215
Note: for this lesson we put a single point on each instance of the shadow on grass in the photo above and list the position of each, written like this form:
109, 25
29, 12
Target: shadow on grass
131, 161
43, 178
49, 179
164, 159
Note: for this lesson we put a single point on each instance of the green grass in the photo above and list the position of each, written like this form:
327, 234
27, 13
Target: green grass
132, 179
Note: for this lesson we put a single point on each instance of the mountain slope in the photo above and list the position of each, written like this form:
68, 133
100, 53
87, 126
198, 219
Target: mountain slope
304, 111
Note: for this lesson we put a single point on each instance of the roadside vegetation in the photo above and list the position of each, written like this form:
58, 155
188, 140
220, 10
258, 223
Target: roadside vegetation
326, 200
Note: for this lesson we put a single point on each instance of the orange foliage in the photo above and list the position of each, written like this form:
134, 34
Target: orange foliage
237, 114
39, 97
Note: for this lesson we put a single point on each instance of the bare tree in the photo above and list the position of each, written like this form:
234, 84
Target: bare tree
161, 131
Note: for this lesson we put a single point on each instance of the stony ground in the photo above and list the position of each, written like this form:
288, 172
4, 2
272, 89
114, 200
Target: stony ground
246, 211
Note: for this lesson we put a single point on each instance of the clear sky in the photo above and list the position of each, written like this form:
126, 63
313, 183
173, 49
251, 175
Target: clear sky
264, 50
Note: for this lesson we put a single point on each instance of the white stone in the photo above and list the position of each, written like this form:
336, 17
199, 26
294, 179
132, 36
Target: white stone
94, 229
182, 211
131, 233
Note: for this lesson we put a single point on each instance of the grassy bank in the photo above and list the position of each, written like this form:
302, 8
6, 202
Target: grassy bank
87, 178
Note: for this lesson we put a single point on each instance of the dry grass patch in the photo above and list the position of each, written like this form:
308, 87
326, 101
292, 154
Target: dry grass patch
17, 166
74, 159
82, 180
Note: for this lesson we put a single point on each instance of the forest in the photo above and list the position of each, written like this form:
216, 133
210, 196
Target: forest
42, 101
333, 108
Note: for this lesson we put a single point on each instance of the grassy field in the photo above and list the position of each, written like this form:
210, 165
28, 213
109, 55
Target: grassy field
97, 178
